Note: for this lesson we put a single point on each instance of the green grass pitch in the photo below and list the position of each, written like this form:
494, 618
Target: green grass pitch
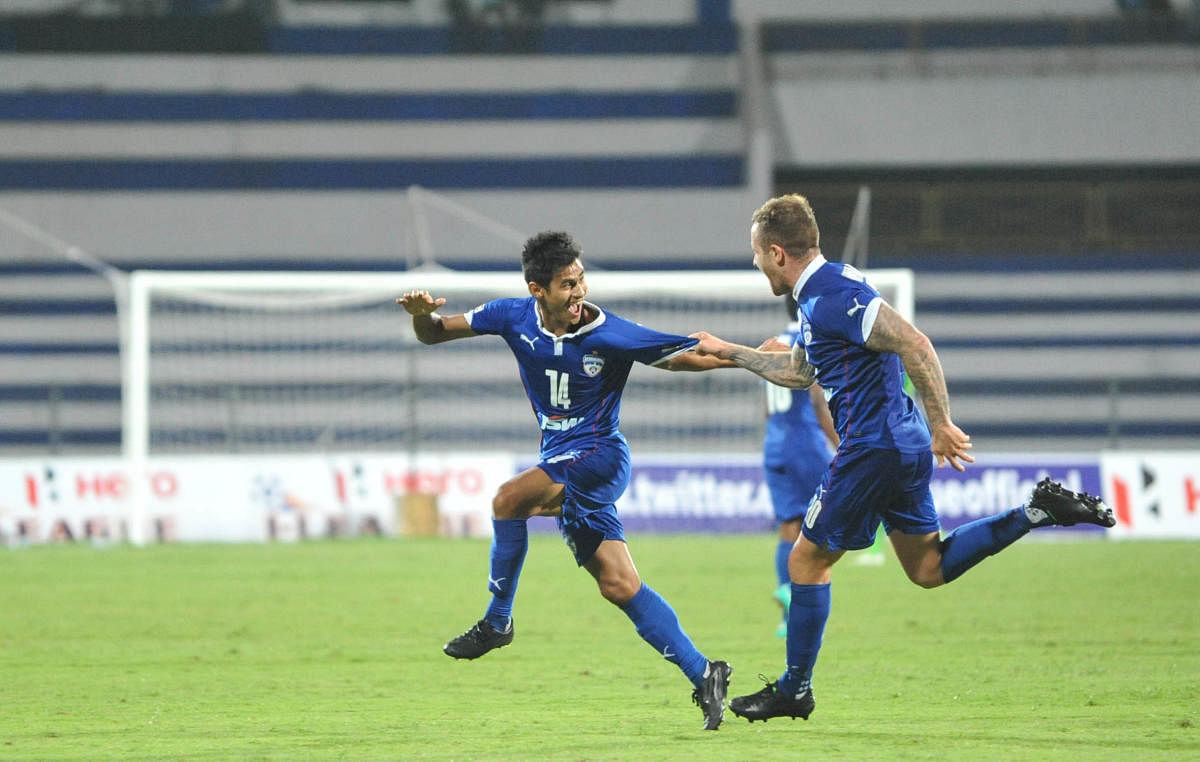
332, 650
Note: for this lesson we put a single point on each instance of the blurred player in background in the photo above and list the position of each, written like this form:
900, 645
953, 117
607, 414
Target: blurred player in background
574, 361
859, 348
800, 440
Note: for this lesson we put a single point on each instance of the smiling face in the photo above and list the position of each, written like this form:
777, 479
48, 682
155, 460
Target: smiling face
561, 302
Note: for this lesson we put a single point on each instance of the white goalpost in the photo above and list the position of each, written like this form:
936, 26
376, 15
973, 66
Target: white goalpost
259, 362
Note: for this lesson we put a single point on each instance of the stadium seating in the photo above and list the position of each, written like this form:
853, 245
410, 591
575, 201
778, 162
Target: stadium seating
322, 131
656, 127
1070, 359
1037, 361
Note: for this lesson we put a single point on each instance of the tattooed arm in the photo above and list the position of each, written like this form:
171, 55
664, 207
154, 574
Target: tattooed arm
892, 333
781, 368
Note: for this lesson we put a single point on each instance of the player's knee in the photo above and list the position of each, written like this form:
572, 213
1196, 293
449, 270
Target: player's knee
502, 505
619, 590
925, 577
508, 504
929, 583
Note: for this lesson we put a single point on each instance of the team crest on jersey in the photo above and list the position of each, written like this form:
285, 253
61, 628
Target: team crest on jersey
592, 364
805, 331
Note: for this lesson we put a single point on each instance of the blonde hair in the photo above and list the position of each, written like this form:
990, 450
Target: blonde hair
788, 222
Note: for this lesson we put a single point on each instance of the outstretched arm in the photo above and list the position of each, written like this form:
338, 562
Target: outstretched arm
782, 368
694, 361
892, 333
430, 327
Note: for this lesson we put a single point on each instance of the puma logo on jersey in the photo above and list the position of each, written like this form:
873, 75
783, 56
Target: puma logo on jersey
529, 340
850, 312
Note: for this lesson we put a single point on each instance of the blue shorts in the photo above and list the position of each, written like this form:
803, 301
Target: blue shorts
792, 485
866, 487
594, 477
584, 534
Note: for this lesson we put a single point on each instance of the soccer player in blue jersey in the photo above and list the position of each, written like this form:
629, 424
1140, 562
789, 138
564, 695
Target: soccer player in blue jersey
574, 360
799, 441
857, 347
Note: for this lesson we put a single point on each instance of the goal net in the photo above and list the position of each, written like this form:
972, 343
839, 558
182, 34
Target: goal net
260, 362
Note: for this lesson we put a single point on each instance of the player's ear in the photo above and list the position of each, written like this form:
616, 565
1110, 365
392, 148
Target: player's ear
535, 290
779, 254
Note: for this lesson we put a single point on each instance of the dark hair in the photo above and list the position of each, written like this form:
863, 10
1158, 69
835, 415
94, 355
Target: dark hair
788, 221
545, 254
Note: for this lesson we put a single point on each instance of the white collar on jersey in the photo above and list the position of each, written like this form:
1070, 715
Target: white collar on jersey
813, 266
594, 324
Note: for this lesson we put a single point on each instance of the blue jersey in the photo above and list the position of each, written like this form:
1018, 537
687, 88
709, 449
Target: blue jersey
574, 381
865, 389
792, 427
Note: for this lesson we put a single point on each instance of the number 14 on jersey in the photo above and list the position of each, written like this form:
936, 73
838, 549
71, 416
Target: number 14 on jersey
560, 395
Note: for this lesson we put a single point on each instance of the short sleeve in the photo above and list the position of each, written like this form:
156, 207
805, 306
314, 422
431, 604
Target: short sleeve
490, 317
848, 314
645, 345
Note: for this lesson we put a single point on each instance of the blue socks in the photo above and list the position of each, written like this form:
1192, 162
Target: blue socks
806, 626
658, 625
653, 617
971, 543
961, 549
782, 550
510, 541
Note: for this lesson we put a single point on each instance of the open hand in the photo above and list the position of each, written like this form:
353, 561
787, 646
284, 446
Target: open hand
949, 445
419, 303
